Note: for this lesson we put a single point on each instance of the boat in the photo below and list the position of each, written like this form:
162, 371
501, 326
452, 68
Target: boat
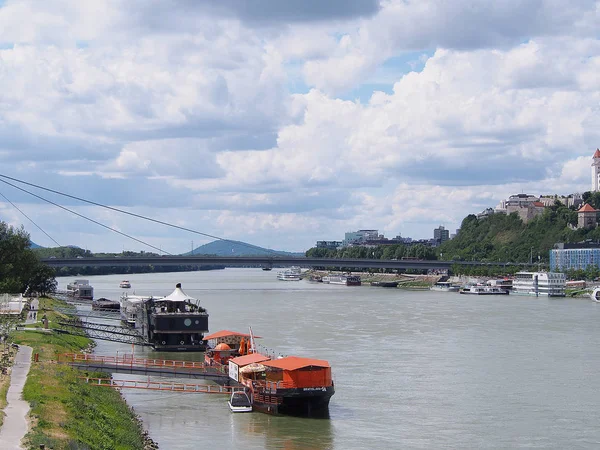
104, 304
444, 286
387, 284
315, 278
176, 322
550, 284
345, 280
292, 274
132, 309
80, 289
595, 295
239, 402
266, 268
285, 385
125, 284
483, 290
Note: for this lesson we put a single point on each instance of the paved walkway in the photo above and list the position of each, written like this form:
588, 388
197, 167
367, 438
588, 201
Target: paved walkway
15, 422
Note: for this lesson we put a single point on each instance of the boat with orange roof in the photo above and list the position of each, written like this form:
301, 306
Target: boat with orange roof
289, 385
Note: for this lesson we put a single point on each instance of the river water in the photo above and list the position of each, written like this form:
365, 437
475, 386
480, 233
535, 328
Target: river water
413, 370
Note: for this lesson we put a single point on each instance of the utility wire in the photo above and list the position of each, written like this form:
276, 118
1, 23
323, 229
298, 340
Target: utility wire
86, 218
30, 219
135, 215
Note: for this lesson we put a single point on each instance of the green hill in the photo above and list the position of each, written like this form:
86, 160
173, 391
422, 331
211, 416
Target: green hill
237, 248
505, 238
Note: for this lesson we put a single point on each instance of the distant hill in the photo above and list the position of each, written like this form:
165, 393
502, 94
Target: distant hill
237, 248
34, 245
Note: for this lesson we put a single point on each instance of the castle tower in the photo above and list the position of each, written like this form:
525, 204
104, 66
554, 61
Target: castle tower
587, 217
596, 171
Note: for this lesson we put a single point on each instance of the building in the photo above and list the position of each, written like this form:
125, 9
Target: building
329, 245
596, 171
572, 200
440, 234
360, 237
577, 256
587, 217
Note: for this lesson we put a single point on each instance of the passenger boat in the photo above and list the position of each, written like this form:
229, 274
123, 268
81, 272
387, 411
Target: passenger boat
483, 290
80, 289
132, 309
345, 280
550, 284
239, 402
176, 322
444, 286
125, 284
104, 304
286, 385
292, 274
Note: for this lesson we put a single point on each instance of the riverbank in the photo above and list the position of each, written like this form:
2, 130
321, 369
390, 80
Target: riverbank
66, 412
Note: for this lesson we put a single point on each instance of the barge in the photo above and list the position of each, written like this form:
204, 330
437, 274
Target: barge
286, 385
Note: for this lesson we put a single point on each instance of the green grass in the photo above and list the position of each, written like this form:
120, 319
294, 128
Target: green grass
67, 412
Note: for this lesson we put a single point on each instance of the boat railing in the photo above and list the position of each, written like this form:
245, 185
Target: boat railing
131, 361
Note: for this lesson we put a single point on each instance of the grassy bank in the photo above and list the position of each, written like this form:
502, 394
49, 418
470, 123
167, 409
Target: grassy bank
66, 412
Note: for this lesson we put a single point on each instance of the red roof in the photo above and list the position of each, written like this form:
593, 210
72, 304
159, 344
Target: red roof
586, 208
597, 153
226, 333
295, 363
249, 359
539, 204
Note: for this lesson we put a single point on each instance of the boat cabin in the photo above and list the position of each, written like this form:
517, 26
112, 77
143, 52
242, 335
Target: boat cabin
297, 372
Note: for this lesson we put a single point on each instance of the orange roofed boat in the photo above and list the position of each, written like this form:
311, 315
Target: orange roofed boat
290, 385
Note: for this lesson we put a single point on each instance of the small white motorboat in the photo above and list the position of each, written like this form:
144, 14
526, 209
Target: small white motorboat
239, 402
595, 295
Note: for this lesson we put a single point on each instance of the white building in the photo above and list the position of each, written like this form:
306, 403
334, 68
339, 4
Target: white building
596, 171
549, 284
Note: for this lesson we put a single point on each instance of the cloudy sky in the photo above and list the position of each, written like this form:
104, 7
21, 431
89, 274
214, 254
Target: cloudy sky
281, 123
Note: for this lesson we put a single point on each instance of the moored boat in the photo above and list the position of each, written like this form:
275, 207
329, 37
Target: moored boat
551, 284
483, 290
80, 289
239, 402
287, 385
345, 280
387, 284
292, 274
176, 322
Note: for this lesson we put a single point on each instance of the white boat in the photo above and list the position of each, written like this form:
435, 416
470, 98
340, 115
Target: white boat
483, 290
550, 284
80, 289
444, 286
595, 295
125, 284
292, 274
132, 309
345, 280
239, 402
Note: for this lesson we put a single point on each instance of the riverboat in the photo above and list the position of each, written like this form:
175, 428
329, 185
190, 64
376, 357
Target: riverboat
286, 385
345, 280
386, 284
547, 284
104, 304
444, 286
125, 284
176, 322
80, 289
132, 309
483, 290
292, 274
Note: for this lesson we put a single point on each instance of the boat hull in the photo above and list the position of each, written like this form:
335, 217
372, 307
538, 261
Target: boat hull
304, 402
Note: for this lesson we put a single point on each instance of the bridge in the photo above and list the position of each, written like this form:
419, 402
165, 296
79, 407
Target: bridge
266, 261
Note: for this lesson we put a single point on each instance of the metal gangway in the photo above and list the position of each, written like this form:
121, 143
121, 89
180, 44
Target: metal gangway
188, 388
128, 363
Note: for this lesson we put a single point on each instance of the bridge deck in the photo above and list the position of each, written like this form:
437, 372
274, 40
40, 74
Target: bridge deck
191, 388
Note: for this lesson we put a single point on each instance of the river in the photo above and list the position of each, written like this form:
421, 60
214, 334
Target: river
413, 370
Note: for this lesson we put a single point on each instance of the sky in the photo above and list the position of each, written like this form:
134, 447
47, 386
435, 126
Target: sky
281, 123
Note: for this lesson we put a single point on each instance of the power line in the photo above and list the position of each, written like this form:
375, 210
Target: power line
30, 219
84, 217
136, 215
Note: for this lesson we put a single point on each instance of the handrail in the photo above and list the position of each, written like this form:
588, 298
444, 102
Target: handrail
192, 388
130, 361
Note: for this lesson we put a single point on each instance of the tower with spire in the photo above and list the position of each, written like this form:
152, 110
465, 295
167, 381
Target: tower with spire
596, 171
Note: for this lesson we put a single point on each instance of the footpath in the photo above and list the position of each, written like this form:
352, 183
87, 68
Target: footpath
15, 422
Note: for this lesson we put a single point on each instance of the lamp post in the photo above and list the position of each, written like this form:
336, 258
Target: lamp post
531, 256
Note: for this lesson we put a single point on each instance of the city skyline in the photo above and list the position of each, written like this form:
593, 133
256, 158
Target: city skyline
290, 122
